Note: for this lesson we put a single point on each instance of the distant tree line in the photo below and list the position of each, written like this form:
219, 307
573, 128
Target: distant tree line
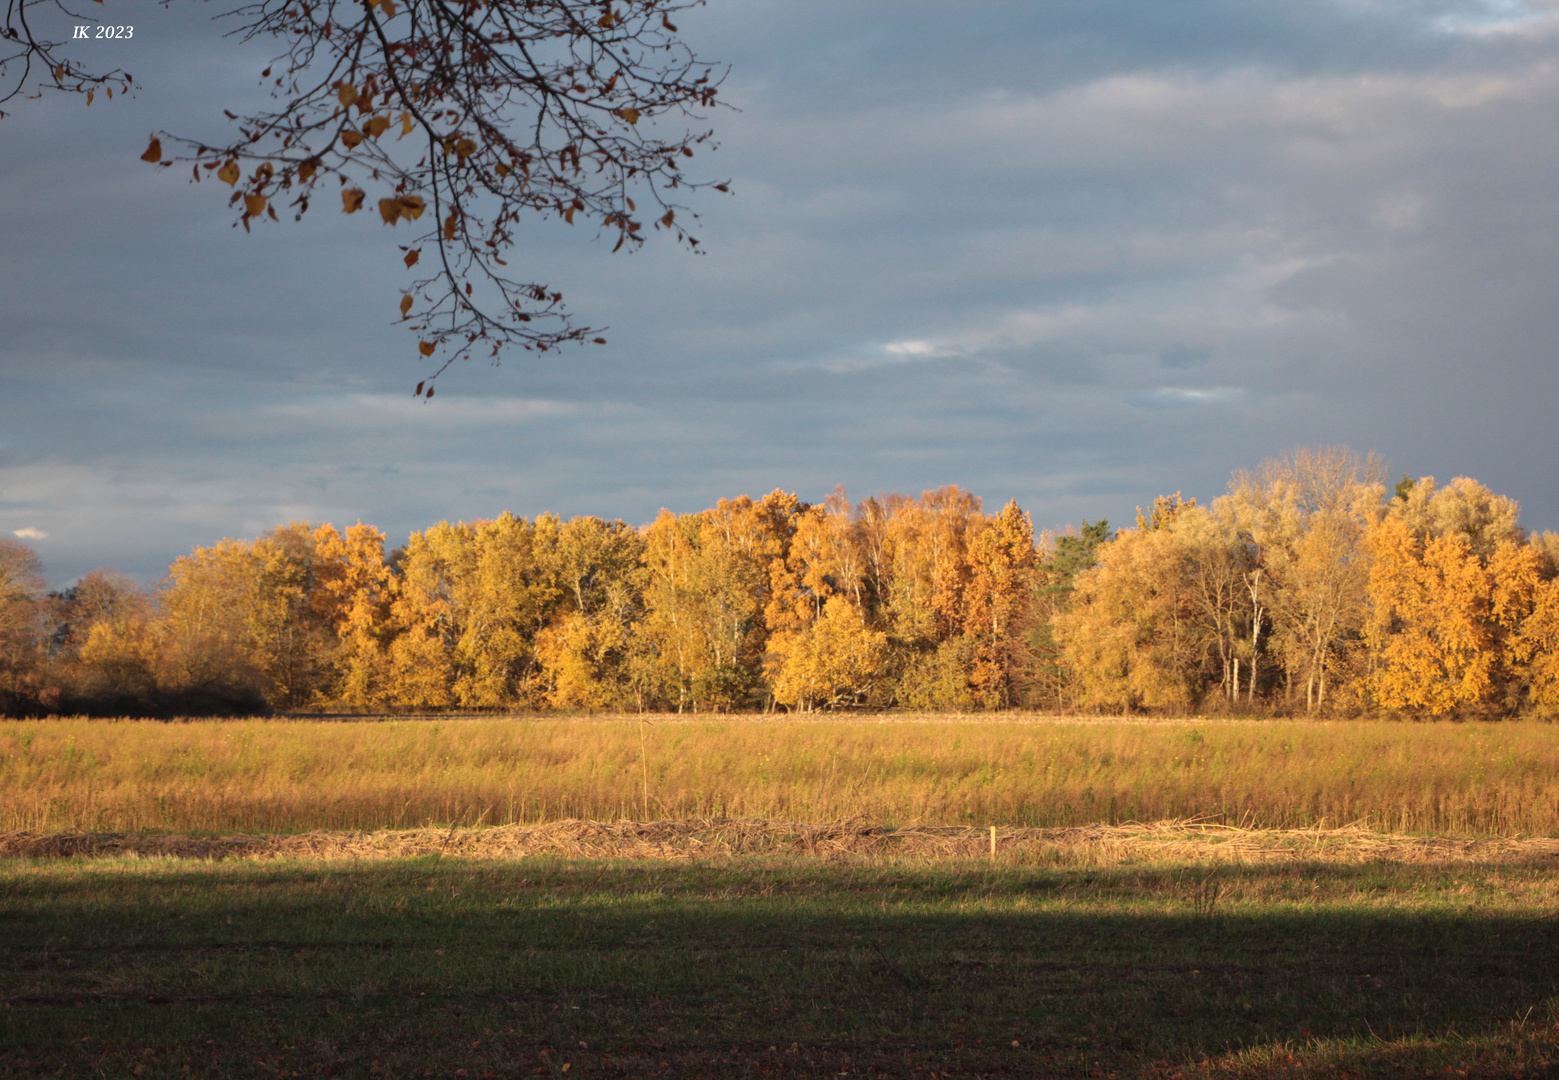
1307, 588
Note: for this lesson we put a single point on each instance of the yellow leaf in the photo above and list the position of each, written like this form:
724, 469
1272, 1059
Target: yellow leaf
606, 20
406, 124
568, 215
464, 149
351, 138
376, 126
228, 173
153, 152
352, 200
388, 7
449, 227
347, 93
91, 92
255, 204
306, 170
405, 303
412, 206
412, 256
425, 347
629, 113
501, 169
390, 210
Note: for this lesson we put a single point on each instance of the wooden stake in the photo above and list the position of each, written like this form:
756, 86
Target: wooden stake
993, 841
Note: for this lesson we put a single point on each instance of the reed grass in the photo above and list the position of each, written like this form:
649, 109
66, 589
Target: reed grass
299, 775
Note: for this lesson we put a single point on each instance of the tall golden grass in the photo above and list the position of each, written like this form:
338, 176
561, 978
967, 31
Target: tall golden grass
297, 775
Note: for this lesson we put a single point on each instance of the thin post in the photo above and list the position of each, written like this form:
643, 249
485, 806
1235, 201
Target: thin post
993, 841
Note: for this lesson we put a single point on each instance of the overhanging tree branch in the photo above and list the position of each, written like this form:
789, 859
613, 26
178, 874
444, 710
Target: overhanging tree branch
483, 112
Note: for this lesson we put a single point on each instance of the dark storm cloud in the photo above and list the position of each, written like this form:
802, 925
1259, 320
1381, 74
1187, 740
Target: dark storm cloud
1078, 253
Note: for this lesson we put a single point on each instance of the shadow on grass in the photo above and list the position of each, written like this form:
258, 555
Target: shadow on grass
779, 967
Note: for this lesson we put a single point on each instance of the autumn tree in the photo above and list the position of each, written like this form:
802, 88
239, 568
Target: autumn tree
1305, 515
461, 120
104, 644
585, 652
354, 592
821, 651
241, 625
21, 588
470, 600
833, 661
923, 609
1132, 638
1447, 625
1059, 559
998, 601
708, 581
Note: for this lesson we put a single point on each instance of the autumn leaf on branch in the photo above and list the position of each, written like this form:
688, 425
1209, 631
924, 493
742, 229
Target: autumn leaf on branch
505, 109
32, 60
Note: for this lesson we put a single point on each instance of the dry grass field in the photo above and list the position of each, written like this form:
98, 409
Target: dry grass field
1011, 771
742, 897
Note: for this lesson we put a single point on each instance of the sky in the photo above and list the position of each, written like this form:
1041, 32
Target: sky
1076, 253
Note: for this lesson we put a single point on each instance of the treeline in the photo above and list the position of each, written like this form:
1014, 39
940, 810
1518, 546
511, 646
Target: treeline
1308, 587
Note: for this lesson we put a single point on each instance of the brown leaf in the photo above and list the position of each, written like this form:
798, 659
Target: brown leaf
425, 347
412, 206
405, 307
629, 113
430, 393
501, 169
153, 152
671, 215
347, 93
351, 138
449, 227
254, 204
91, 92
388, 7
306, 170
406, 124
228, 173
568, 215
464, 149
390, 210
352, 200
412, 256
376, 126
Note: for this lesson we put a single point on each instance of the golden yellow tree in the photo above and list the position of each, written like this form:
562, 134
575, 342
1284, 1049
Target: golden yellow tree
470, 601
999, 594
1445, 625
354, 591
702, 640
1132, 638
832, 662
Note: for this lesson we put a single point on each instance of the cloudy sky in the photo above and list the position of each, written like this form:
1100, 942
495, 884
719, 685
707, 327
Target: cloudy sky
1072, 252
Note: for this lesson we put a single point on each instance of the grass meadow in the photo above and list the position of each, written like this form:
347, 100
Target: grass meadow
298, 775
470, 928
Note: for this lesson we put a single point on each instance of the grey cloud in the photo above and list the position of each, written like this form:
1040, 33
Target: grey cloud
1075, 253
